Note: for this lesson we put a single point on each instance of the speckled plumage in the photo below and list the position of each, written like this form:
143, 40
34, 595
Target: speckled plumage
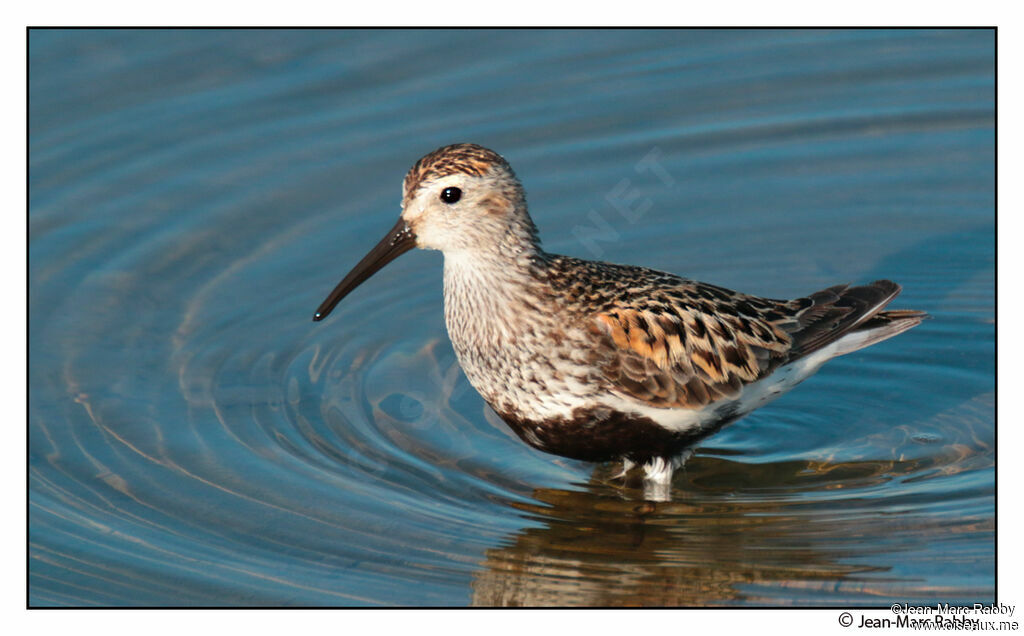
598, 361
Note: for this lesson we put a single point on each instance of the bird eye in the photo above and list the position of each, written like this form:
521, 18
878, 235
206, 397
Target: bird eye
451, 195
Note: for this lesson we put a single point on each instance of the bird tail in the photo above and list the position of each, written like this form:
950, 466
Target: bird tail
881, 326
851, 318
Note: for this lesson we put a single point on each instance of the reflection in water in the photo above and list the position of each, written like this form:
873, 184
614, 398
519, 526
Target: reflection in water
595, 548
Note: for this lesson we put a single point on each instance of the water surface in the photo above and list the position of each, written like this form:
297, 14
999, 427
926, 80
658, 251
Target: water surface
194, 439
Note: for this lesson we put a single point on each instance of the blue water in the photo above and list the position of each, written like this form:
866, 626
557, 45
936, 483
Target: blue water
194, 439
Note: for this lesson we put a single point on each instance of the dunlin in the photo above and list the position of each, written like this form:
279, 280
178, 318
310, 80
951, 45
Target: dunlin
597, 361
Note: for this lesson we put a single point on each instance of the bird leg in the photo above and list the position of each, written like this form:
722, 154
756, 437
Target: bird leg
658, 475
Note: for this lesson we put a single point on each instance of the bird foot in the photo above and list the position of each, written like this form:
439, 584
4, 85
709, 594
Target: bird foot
657, 475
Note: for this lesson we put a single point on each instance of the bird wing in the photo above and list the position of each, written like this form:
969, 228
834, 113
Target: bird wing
691, 344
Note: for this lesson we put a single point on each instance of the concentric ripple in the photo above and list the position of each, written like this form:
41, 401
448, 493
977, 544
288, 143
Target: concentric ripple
194, 439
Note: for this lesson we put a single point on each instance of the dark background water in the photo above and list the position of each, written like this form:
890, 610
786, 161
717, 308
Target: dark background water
195, 440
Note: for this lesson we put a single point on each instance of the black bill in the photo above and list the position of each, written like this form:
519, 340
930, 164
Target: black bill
398, 241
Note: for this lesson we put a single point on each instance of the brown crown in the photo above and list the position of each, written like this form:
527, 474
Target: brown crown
468, 159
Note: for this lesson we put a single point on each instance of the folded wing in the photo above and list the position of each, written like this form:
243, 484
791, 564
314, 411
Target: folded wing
687, 345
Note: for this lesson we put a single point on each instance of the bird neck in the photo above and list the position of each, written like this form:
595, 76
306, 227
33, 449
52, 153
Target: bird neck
479, 280
488, 292
520, 238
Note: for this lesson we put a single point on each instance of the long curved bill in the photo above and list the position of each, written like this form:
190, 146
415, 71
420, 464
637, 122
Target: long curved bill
398, 241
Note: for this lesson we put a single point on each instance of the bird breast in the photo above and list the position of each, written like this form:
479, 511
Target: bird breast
518, 347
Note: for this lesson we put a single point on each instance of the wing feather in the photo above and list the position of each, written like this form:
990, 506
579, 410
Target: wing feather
680, 354
690, 344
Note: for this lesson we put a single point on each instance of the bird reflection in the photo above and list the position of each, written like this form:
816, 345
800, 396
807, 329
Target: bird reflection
730, 536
